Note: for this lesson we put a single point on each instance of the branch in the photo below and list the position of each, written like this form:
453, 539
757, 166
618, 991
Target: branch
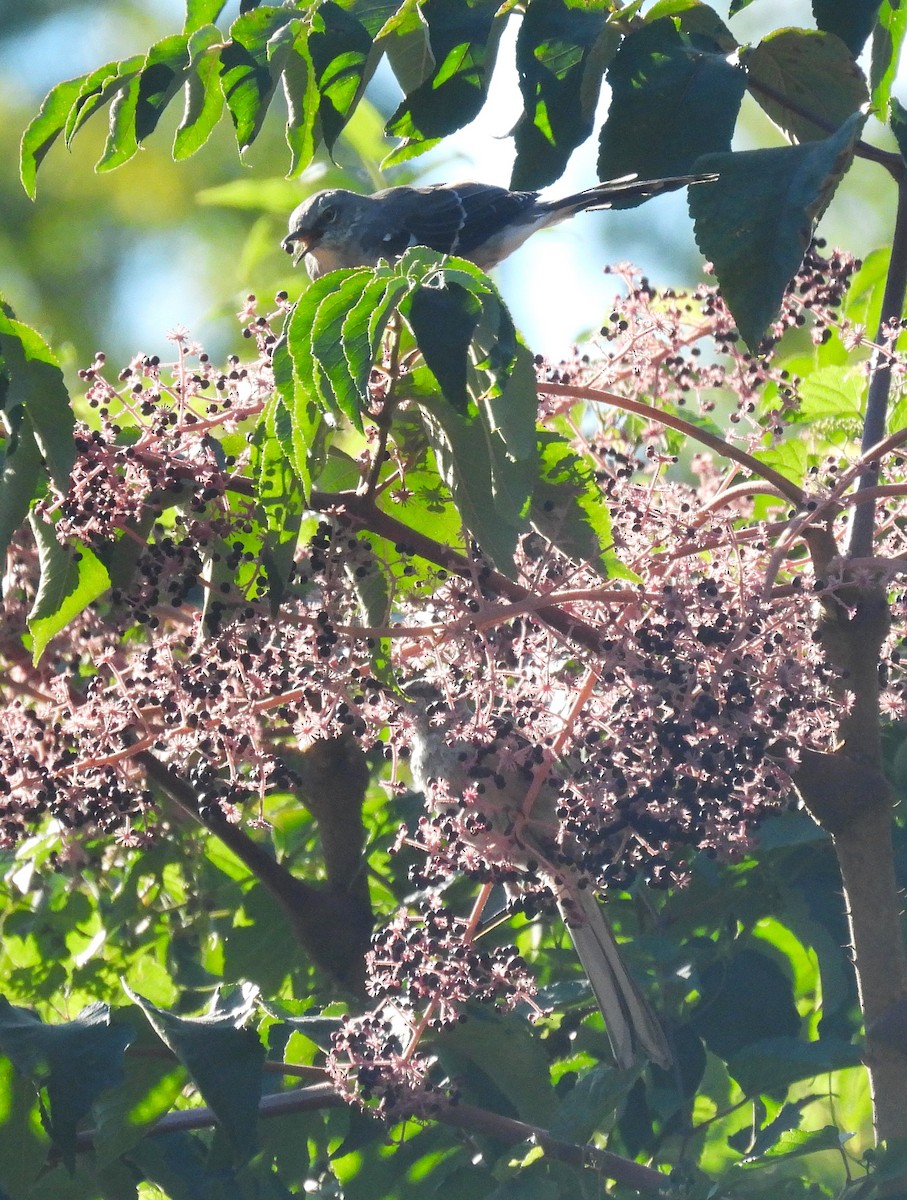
595, 396
862, 527
460, 1116
332, 924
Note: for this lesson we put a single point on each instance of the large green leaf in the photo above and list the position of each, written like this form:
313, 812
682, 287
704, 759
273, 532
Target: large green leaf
887, 43
755, 222
247, 76
675, 97
71, 578
850, 20
204, 95
805, 71
463, 37
224, 1060
75, 1062
562, 51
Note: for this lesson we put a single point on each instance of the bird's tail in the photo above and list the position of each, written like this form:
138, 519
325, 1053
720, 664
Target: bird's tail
627, 187
629, 1019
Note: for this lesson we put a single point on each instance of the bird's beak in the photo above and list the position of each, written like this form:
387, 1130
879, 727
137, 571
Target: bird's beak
298, 244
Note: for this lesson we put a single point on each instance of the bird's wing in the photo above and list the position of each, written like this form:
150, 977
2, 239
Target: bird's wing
629, 1019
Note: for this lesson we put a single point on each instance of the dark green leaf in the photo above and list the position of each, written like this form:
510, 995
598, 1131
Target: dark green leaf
443, 320
204, 95
151, 1084
340, 390
247, 77
850, 20
162, 77
463, 37
887, 41
814, 72
592, 1104
224, 1060
343, 58
755, 222
774, 1063
71, 578
500, 1053
75, 1061
798, 1142
743, 1001
23, 1144
675, 98
562, 52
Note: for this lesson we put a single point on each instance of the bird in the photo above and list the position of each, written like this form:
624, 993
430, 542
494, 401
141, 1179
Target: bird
471, 781
336, 228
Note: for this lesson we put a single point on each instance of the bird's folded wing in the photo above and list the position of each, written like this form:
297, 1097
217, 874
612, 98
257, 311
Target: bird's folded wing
630, 1022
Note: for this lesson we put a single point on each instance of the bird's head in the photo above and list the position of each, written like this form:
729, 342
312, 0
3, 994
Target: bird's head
323, 228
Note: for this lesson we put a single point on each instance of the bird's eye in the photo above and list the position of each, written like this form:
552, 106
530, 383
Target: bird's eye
328, 215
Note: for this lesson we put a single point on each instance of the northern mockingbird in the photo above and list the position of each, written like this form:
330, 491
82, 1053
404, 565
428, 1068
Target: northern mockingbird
337, 228
485, 799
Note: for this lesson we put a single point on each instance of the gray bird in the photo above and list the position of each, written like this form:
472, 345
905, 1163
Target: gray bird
497, 827
337, 228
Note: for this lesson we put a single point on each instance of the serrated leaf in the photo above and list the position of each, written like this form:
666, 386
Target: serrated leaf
71, 578
850, 20
887, 43
46, 127
813, 71
773, 1064
592, 1104
204, 96
247, 79
202, 12
569, 509
562, 51
443, 320
503, 1052
224, 1060
339, 389
301, 94
304, 435
36, 388
75, 1062
755, 221
463, 36
674, 98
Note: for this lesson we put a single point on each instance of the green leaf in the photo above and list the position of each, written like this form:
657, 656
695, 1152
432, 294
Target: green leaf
755, 222
150, 1085
813, 71
562, 51
204, 95
202, 12
247, 78
887, 41
343, 59
37, 390
796, 1143
773, 1064
490, 489
675, 97
744, 1001
74, 1061
71, 578
46, 127
224, 1060
592, 1104
500, 1052
340, 391
443, 320
569, 509
463, 37
833, 395
297, 422
300, 91
850, 20
23, 1144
